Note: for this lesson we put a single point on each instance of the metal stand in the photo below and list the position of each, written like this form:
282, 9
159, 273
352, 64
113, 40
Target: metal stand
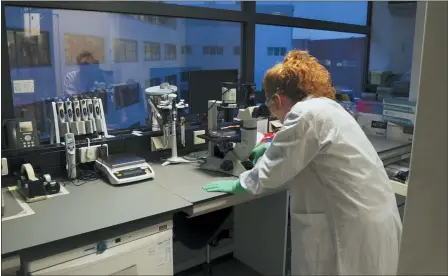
167, 92
174, 159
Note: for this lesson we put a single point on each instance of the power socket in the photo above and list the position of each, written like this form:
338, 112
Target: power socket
4, 166
160, 143
197, 140
89, 154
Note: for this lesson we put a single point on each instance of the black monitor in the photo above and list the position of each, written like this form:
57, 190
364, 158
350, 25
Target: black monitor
126, 95
205, 85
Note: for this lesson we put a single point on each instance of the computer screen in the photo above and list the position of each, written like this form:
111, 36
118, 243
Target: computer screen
205, 85
126, 95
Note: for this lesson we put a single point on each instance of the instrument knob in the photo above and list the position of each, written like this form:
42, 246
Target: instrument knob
101, 247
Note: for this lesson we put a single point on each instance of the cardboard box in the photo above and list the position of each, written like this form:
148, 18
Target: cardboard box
400, 111
399, 133
372, 124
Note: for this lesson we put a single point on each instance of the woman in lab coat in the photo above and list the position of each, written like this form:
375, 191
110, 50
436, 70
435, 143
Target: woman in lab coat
344, 217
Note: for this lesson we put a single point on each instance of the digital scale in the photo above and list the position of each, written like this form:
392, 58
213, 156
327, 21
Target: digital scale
122, 169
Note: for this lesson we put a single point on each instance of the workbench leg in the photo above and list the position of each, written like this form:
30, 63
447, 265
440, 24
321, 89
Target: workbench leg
260, 233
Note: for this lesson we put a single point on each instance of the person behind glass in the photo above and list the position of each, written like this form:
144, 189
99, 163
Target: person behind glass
82, 80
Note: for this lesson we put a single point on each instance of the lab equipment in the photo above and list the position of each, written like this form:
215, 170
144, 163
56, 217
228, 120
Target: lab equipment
146, 251
21, 133
51, 186
399, 132
98, 112
223, 156
85, 117
79, 116
228, 92
90, 121
125, 104
225, 186
122, 168
250, 93
63, 124
205, 85
372, 124
30, 186
163, 98
78, 126
399, 111
310, 160
69, 110
70, 155
398, 171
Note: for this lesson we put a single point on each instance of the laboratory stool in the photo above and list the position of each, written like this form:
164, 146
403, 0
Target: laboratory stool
202, 231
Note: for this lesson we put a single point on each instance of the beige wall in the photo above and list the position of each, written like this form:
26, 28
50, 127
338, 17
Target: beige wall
424, 242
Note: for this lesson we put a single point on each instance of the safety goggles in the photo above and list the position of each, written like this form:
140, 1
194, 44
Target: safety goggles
269, 100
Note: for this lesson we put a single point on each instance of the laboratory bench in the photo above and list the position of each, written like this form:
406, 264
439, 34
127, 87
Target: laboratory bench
96, 205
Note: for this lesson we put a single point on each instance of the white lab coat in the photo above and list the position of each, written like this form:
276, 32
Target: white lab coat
344, 217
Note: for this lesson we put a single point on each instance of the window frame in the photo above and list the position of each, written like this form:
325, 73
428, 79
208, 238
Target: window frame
247, 16
166, 55
44, 34
150, 44
124, 41
186, 50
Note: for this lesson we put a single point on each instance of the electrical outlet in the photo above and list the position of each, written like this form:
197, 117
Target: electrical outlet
4, 166
89, 154
197, 140
160, 143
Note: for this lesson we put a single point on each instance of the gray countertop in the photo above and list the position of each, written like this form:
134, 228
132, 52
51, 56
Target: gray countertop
97, 205
381, 144
186, 181
92, 206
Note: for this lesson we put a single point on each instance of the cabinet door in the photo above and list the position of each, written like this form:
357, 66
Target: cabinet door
260, 233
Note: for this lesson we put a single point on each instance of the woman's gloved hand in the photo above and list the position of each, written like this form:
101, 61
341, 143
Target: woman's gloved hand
258, 151
225, 186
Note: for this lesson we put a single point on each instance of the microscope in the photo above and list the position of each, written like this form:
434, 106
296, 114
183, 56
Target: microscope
229, 149
164, 116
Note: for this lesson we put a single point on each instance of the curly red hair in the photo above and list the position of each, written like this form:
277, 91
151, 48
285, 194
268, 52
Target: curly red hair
300, 74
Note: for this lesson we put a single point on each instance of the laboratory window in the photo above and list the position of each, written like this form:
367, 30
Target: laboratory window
276, 51
155, 20
74, 44
171, 79
28, 49
125, 50
152, 51
342, 54
349, 12
68, 57
225, 5
154, 82
237, 50
213, 50
170, 52
186, 50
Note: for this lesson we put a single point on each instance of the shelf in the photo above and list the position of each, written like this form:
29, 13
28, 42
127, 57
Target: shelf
399, 188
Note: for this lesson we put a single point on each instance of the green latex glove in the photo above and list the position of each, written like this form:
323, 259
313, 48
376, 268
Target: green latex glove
225, 186
258, 152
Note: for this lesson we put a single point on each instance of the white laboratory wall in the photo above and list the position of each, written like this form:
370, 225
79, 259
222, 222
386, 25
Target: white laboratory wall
424, 242
392, 39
